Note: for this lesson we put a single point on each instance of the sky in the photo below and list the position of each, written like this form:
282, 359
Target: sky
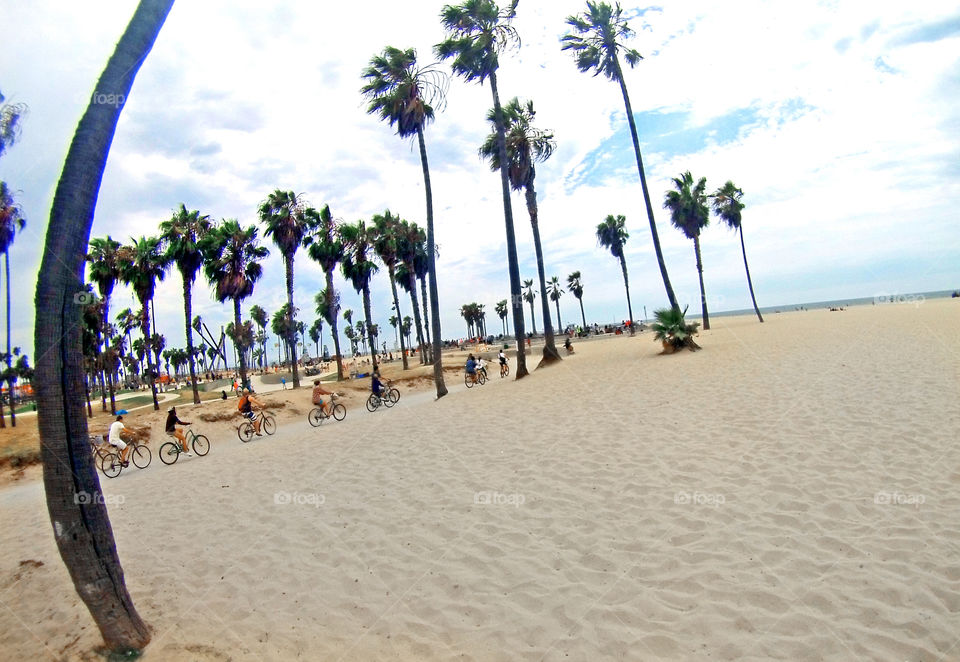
838, 119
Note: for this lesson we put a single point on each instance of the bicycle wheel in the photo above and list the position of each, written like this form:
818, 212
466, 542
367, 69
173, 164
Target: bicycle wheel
467, 380
245, 431
482, 378
201, 445
269, 424
316, 416
505, 370
339, 412
394, 394
373, 402
141, 456
110, 465
169, 452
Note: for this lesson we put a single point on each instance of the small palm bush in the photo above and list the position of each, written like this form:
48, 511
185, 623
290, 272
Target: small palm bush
672, 330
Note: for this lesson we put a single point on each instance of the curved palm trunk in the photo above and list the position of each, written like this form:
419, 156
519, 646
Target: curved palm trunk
512, 262
417, 321
81, 526
626, 285
188, 315
703, 294
288, 263
432, 270
550, 353
333, 326
396, 306
368, 324
747, 268
646, 194
239, 356
583, 315
427, 348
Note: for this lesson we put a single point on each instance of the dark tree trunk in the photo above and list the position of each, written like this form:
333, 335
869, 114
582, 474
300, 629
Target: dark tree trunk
110, 368
626, 285
78, 515
427, 349
533, 318
368, 326
646, 193
241, 359
333, 325
288, 263
583, 315
432, 269
550, 353
188, 315
703, 294
417, 321
86, 390
13, 413
559, 323
396, 306
749, 282
145, 329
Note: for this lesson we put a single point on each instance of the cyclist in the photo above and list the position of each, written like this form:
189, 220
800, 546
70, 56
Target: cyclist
481, 366
113, 438
503, 361
471, 368
172, 431
375, 384
318, 393
245, 407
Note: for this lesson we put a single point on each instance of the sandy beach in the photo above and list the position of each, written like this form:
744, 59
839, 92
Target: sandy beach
791, 492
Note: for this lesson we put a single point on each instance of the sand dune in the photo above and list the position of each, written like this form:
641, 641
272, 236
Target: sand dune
788, 493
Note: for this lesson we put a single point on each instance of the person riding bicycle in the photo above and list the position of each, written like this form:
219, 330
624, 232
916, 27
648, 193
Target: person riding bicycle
113, 438
318, 393
171, 429
502, 358
245, 407
376, 385
481, 366
471, 367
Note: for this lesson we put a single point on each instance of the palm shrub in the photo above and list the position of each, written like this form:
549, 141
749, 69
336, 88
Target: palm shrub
671, 328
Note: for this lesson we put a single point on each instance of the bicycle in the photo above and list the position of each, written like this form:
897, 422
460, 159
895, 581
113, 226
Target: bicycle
170, 451
267, 423
110, 463
317, 415
478, 378
504, 370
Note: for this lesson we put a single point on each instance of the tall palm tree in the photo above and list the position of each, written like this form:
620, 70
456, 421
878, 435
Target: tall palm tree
259, 317
612, 235
555, 292
11, 220
575, 284
182, 234
358, 268
687, 204
326, 249
598, 38
421, 267
386, 228
82, 526
478, 31
502, 309
727, 205
105, 271
141, 266
283, 215
233, 267
413, 261
525, 146
402, 93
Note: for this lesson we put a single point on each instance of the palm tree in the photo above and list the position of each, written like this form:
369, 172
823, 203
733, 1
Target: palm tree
316, 332
689, 214
502, 309
598, 38
233, 267
386, 238
612, 235
395, 323
84, 536
141, 266
10, 116
529, 295
413, 265
477, 32
326, 249
358, 268
182, 234
555, 292
283, 327
406, 326
576, 289
402, 94
259, 317
727, 205
11, 220
283, 215
104, 271
526, 145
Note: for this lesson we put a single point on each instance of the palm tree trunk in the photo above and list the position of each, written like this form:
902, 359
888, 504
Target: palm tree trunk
427, 348
333, 326
646, 193
396, 306
188, 315
13, 413
145, 329
512, 262
432, 269
368, 325
417, 322
288, 263
86, 390
749, 282
703, 294
82, 526
583, 315
110, 369
550, 353
559, 323
533, 318
240, 357
626, 285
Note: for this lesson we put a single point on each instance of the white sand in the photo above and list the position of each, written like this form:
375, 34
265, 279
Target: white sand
789, 493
